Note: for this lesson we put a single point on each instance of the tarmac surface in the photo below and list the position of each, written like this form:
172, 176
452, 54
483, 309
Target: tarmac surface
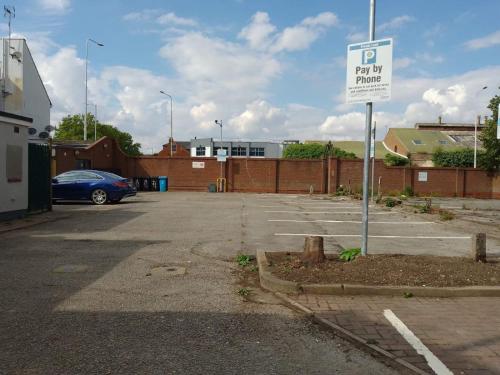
150, 286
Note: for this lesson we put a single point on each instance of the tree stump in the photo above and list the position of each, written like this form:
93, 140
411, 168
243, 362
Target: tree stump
313, 251
478, 250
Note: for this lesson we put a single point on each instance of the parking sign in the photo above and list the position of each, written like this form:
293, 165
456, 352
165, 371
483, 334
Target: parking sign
369, 71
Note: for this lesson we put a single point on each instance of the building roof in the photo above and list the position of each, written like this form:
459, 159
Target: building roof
72, 143
426, 141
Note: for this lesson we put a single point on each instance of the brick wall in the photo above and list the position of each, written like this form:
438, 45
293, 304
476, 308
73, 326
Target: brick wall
283, 175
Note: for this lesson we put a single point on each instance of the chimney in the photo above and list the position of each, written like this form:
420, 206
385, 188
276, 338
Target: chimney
440, 120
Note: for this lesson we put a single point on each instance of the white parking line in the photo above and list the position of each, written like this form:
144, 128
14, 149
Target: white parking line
353, 221
326, 212
312, 207
377, 236
434, 362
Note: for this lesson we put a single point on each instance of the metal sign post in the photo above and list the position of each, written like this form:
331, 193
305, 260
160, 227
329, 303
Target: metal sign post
369, 79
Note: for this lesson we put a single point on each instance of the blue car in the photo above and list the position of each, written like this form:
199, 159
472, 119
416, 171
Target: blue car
97, 186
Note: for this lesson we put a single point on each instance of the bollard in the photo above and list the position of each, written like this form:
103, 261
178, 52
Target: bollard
313, 250
478, 250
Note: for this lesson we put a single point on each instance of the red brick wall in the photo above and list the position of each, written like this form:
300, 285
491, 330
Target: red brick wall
282, 175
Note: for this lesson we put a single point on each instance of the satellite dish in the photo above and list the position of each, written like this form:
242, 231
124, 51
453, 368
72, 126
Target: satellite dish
32, 131
43, 135
50, 128
16, 55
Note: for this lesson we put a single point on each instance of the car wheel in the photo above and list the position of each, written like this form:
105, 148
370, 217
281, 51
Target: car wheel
99, 196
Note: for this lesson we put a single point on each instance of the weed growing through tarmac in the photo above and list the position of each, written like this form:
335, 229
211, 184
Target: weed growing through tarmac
254, 268
244, 292
243, 260
446, 215
407, 294
350, 254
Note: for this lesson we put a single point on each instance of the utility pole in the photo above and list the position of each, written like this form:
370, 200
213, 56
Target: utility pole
373, 157
86, 83
221, 148
478, 120
171, 124
10, 12
366, 162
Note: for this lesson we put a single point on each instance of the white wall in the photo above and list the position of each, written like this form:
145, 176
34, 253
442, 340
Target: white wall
27, 93
14, 195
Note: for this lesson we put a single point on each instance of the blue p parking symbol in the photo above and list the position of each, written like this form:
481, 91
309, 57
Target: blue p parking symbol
369, 56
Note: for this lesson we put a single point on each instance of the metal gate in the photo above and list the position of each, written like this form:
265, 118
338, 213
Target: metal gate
39, 178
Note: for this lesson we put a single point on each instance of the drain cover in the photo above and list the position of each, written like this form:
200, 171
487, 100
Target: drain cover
71, 268
168, 271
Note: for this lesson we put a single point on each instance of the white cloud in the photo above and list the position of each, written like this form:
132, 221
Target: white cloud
356, 37
143, 15
259, 31
490, 40
402, 63
259, 119
56, 6
428, 58
301, 36
203, 111
395, 23
172, 19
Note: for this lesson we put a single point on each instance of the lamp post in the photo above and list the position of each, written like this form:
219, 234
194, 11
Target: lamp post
95, 119
171, 123
86, 79
217, 122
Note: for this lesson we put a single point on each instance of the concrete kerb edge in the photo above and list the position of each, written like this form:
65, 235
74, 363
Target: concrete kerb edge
275, 284
24, 225
340, 331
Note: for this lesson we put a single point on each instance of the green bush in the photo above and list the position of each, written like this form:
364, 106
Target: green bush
395, 160
461, 158
315, 151
408, 191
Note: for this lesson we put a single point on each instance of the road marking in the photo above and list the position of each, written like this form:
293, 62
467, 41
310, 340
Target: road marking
312, 207
434, 362
353, 221
325, 212
377, 236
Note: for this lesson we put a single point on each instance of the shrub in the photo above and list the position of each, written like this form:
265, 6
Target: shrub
446, 215
408, 191
395, 160
315, 151
462, 158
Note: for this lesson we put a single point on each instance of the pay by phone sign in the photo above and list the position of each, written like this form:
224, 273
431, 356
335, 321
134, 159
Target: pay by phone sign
369, 71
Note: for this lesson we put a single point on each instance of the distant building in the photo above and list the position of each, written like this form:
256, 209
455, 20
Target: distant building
207, 147
356, 147
178, 149
23, 92
419, 143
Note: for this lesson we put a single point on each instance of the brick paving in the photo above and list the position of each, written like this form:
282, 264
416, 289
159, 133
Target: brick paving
464, 333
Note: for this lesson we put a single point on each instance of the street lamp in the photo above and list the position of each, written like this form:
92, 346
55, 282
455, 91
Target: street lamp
95, 119
217, 122
86, 89
171, 123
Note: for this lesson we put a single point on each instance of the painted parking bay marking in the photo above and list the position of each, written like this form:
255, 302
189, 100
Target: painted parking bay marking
377, 236
353, 221
434, 362
325, 212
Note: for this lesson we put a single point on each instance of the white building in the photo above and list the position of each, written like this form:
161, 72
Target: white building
23, 92
14, 165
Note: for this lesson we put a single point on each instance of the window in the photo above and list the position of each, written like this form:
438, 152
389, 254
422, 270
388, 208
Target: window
174, 147
217, 148
14, 163
417, 142
238, 151
200, 151
443, 142
82, 164
67, 177
256, 151
16, 129
87, 176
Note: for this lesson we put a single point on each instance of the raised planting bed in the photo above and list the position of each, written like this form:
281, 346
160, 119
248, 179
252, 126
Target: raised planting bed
382, 274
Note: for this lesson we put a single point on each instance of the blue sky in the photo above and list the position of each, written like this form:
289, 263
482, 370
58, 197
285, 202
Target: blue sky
269, 69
